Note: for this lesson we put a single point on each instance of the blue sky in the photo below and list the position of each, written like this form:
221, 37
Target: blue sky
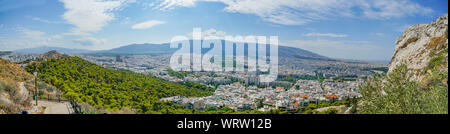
350, 29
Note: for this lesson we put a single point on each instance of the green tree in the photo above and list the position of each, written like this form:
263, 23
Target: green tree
395, 93
311, 107
300, 110
211, 109
331, 111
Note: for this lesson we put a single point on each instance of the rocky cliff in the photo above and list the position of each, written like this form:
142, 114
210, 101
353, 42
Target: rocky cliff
417, 80
421, 46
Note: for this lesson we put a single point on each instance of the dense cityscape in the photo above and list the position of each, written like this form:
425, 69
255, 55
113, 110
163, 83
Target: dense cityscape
301, 82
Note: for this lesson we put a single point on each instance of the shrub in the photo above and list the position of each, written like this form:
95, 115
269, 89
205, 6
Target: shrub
396, 94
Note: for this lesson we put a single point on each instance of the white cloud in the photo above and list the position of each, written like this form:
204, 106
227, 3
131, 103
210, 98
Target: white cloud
38, 35
55, 37
126, 20
360, 50
43, 20
76, 33
385, 9
89, 41
211, 32
170, 4
215, 33
30, 39
379, 34
13, 44
147, 24
325, 35
297, 12
1, 26
32, 34
90, 15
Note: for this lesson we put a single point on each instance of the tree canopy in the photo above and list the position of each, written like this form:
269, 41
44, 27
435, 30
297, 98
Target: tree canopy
110, 89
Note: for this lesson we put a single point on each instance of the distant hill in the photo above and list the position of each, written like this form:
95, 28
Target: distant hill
292, 52
155, 49
160, 49
52, 54
5, 53
44, 49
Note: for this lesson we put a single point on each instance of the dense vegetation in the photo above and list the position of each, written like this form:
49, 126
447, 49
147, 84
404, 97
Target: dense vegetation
169, 108
395, 93
110, 89
178, 74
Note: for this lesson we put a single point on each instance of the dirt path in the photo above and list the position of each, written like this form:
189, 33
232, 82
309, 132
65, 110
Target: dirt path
23, 91
348, 110
50, 107
54, 107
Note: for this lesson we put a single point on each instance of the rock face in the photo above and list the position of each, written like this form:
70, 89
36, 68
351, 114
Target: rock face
419, 44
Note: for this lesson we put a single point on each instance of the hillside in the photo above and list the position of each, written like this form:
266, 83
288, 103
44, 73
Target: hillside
417, 81
110, 89
12, 79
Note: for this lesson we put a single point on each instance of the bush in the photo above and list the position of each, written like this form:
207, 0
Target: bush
396, 94
15, 100
331, 111
311, 107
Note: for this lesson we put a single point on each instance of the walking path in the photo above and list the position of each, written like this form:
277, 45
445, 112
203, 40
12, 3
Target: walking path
54, 107
49, 106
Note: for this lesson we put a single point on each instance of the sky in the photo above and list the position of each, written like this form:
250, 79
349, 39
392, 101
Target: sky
344, 29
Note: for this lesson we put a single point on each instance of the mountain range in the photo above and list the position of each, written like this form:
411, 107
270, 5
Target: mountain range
44, 49
162, 49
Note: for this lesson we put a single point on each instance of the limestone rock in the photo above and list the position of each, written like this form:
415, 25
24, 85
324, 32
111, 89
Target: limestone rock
418, 44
